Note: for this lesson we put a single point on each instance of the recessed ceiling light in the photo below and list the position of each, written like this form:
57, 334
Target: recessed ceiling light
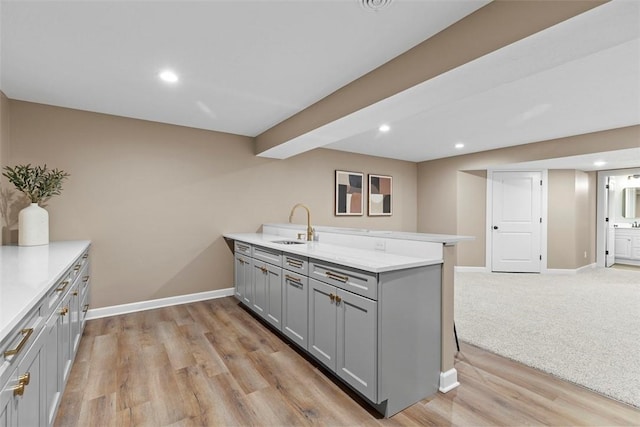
459, 146
384, 128
599, 163
168, 76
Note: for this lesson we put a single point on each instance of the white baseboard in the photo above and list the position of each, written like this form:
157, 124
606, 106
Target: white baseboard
115, 310
568, 270
448, 380
465, 269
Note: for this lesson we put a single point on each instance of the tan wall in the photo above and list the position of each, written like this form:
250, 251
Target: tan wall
155, 198
561, 217
472, 192
4, 147
442, 199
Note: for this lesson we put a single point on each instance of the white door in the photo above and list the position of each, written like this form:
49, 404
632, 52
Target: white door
516, 222
609, 200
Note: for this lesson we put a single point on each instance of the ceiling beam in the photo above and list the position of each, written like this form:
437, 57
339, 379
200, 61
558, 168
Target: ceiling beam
490, 28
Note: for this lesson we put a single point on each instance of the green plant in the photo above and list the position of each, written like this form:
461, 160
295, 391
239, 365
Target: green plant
38, 183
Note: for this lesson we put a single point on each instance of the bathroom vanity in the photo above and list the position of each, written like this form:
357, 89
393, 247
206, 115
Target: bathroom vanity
627, 245
367, 305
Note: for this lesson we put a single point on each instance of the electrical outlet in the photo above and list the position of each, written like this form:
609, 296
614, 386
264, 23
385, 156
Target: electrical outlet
585, 254
380, 245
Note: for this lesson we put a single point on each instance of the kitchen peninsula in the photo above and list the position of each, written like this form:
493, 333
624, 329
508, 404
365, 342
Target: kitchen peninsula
374, 307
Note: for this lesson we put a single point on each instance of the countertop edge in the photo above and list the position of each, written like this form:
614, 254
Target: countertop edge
267, 240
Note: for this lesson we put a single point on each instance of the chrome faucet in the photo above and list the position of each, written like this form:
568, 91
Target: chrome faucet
309, 228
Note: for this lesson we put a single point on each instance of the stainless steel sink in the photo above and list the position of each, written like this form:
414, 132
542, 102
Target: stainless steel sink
290, 242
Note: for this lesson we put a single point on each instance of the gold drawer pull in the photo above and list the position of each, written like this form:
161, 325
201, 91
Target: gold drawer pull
331, 275
295, 279
85, 279
75, 293
24, 379
26, 333
338, 299
332, 297
294, 262
18, 390
77, 268
85, 256
86, 308
62, 286
264, 269
64, 311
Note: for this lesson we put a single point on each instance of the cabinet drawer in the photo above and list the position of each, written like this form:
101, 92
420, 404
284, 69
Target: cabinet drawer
19, 340
271, 256
84, 279
242, 248
295, 263
57, 293
350, 279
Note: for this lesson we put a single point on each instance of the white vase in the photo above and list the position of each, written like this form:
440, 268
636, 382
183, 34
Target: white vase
33, 226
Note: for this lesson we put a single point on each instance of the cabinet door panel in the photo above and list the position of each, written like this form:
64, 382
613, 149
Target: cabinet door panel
295, 311
274, 297
242, 270
7, 403
356, 356
66, 343
260, 280
52, 372
30, 408
322, 323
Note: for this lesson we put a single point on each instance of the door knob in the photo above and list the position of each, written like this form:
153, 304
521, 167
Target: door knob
495, 227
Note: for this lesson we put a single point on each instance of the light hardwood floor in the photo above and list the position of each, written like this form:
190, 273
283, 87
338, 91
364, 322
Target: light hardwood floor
213, 364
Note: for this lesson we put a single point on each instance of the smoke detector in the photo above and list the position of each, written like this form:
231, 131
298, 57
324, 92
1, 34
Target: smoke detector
375, 4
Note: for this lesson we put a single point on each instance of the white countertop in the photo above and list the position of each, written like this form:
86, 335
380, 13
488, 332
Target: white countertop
446, 239
26, 275
372, 261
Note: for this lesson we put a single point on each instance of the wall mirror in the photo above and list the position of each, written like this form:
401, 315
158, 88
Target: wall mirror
631, 202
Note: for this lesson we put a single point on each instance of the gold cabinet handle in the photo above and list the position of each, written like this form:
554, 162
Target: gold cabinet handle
62, 286
18, 390
264, 269
77, 268
85, 256
332, 297
294, 279
64, 311
26, 333
85, 279
24, 379
86, 308
338, 299
331, 275
294, 262
75, 293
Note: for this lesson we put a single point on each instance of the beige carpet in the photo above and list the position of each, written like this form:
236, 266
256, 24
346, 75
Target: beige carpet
584, 328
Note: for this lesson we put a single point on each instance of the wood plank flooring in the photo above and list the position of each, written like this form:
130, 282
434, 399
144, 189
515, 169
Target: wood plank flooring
212, 363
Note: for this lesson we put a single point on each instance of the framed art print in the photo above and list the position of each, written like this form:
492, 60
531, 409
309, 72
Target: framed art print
349, 193
380, 195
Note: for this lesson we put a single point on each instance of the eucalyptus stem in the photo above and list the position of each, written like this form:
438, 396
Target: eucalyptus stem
38, 183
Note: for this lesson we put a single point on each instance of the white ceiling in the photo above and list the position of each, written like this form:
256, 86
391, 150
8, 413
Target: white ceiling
247, 65
244, 66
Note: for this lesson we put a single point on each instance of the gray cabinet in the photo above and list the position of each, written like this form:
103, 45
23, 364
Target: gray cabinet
342, 335
294, 307
243, 278
38, 355
378, 332
267, 294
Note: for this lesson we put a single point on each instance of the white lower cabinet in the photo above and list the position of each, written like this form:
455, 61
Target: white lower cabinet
39, 354
243, 278
627, 246
342, 335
